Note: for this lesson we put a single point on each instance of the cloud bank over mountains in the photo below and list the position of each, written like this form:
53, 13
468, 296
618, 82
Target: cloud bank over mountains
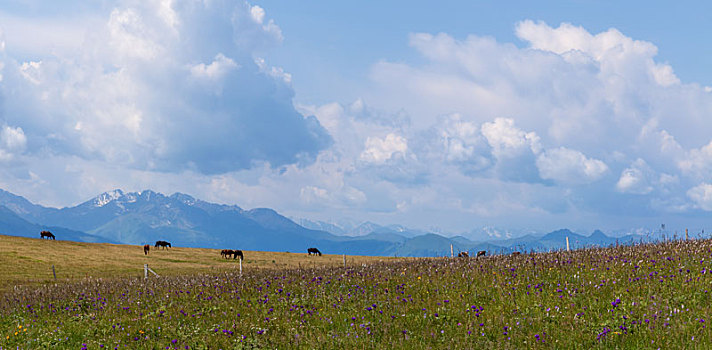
566, 127
163, 86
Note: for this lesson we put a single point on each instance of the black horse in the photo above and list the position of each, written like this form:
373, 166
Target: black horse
163, 244
314, 251
46, 234
481, 253
226, 253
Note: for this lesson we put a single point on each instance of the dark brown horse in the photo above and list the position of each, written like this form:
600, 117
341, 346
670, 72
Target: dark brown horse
463, 255
516, 253
46, 234
146, 248
226, 253
481, 253
163, 244
314, 251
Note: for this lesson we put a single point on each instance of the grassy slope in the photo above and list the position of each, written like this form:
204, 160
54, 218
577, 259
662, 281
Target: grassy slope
647, 296
29, 261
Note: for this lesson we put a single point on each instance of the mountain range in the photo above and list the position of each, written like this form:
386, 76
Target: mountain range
146, 216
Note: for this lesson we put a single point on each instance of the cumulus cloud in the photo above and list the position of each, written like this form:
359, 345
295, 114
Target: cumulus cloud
566, 109
379, 150
215, 70
569, 166
507, 140
701, 195
636, 179
616, 53
697, 163
165, 86
12, 142
460, 142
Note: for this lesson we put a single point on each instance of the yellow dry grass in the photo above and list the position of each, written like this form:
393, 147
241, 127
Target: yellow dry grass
26, 261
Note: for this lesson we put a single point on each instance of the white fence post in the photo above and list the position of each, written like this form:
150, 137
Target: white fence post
240, 267
452, 252
146, 269
567, 243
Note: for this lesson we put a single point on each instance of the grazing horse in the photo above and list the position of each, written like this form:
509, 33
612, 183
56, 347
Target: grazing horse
47, 234
314, 251
463, 255
226, 253
163, 244
146, 248
481, 253
516, 253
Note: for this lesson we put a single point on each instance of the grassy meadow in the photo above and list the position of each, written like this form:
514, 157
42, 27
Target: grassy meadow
29, 261
646, 296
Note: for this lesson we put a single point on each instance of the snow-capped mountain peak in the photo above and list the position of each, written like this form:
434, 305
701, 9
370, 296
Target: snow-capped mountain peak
106, 197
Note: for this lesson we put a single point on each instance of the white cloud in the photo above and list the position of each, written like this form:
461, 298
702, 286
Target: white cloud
215, 70
636, 178
12, 142
462, 141
569, 166
507, 140
379, 150
31, 71
701, 195
568, 109
697, 163
614, 51
164, 86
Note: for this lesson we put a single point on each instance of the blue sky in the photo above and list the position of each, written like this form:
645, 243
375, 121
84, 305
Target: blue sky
482, 118
345, 38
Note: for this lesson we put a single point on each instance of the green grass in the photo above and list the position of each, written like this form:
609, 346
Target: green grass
641, 297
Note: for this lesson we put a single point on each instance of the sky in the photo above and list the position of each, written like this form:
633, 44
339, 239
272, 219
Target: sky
480, 118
